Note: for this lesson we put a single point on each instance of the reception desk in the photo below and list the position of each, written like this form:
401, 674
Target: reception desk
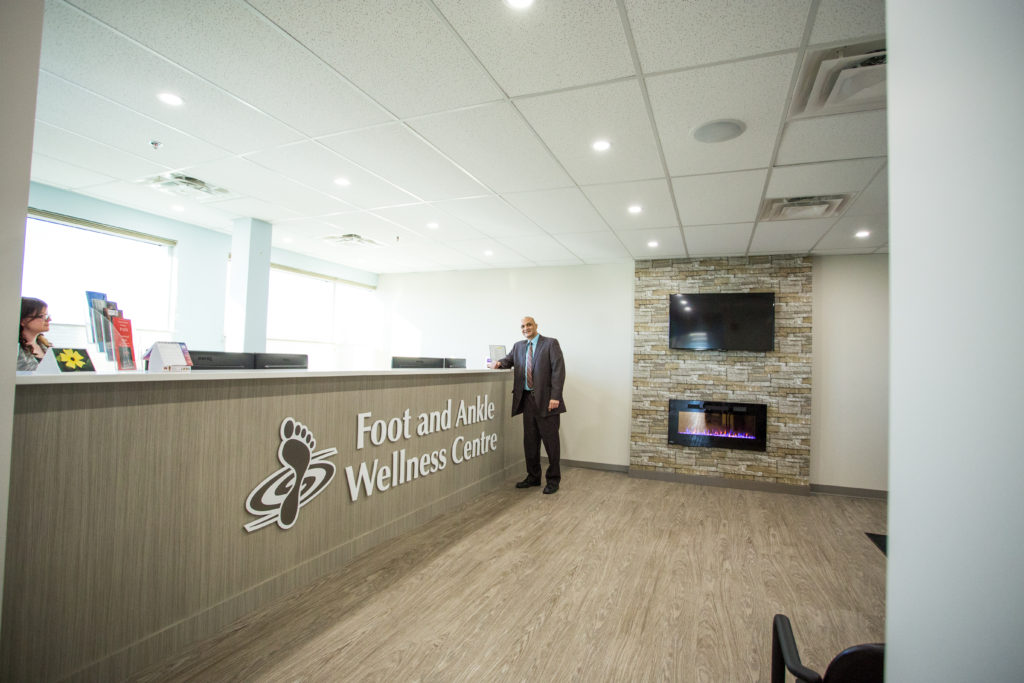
149, 511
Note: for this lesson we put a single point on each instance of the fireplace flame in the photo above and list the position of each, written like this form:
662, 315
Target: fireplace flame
726, 433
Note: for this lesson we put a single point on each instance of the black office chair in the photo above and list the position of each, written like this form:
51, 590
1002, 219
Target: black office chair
857, 664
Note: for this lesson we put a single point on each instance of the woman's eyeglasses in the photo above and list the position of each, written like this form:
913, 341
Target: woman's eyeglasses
42, 317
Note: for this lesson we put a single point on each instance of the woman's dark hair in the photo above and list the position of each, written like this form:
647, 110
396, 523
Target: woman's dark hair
30, 308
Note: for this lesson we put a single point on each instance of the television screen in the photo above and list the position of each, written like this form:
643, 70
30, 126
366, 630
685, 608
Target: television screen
726, 322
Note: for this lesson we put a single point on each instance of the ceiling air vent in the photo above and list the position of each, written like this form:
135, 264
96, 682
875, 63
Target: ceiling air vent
842, 80
796, 208
351, 240
181, 184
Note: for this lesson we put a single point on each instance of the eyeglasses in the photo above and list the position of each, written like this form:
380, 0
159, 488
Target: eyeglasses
42, 317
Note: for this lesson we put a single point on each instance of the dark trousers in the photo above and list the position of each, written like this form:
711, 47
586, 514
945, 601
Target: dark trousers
537, 428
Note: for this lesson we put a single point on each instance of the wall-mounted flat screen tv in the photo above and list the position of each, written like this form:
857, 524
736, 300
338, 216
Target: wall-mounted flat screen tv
724, 322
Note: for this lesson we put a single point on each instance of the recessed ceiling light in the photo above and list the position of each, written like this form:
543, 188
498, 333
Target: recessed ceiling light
433, 226
719, 131
518, 4
488, 252
177, 207
635, 208
601, 145
343, 182
286, 240
862, 233
171, 99
652, 243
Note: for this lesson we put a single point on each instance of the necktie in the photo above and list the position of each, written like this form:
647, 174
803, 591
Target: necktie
529, 367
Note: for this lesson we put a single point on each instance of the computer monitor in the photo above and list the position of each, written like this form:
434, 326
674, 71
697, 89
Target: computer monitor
281, 361
455, 362
416, 362
221, 360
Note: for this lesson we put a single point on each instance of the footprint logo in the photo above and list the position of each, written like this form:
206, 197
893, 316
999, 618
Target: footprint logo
305, 474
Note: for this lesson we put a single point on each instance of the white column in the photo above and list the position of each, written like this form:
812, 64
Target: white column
249, 285
21, 30
955, 602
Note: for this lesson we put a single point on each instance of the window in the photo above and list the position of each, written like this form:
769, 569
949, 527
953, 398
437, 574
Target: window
65, 257
332, 321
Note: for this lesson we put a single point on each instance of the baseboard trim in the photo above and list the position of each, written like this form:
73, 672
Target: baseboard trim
595, 465
723, 482
848, 491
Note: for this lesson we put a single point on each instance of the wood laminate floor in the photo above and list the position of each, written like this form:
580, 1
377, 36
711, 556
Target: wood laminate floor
611, 579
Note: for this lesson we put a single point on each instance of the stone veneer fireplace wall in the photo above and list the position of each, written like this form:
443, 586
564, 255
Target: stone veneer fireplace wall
781, 378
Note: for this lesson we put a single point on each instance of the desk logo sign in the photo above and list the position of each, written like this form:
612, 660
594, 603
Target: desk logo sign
304, 475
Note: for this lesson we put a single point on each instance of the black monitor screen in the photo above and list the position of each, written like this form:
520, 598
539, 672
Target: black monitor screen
730, 322
281, 361
416, 362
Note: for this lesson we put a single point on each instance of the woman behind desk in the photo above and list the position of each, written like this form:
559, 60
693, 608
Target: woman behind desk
32, 345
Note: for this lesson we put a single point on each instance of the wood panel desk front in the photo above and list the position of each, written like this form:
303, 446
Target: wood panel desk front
137, 519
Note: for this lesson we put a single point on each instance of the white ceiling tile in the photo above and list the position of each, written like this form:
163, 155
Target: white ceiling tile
73, 109
789, 237
752, 91
653, 196
720, 198
558, 211
668, 243
396, 152
671, 34
549, 46
78, 49
244, 178
569, 122
417, 217
848, 20
833, 177
394, 50
491, 216
730, 239
492, 253
541, 249
595, 247
252, 207
495, 146
305, 228
442, 255
371, 226
210, 39
842, 234
87, 153
64, 175
317, 167
826, 138
874, 199
142, 197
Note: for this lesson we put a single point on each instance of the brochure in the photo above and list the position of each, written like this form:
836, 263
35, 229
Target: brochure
124, 347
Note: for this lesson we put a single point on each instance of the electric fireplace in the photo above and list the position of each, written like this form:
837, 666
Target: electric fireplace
718, 424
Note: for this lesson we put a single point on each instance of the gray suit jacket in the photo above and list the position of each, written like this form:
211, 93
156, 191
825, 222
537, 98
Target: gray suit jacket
548, 374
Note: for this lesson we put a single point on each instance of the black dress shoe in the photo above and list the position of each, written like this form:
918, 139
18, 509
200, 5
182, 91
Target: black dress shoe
550, 488
526, 483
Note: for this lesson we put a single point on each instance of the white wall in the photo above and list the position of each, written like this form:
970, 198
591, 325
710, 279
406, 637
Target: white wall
589, 309
955, 603
850, 395
21, 30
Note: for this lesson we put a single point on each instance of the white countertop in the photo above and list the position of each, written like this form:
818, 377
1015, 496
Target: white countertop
31, 378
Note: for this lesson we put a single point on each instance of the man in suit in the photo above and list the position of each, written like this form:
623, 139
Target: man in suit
537, 394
